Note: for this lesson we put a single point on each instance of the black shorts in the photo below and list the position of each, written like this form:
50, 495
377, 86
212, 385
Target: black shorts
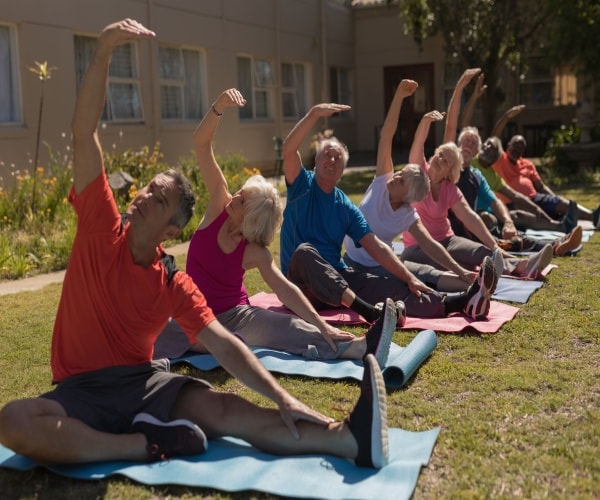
108, 399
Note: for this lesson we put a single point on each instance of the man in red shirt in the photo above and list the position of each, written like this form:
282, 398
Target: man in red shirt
111, 401
522, 175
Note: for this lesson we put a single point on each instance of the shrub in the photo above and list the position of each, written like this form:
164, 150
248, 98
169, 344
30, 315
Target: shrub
37, 224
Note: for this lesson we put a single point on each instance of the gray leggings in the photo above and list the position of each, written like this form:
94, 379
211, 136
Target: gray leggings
324, 285
467, 253
258, 327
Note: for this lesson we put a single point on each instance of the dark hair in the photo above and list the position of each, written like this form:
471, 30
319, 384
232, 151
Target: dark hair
187, 199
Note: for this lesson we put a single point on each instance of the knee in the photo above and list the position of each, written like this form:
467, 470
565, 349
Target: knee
304, 251
12, 420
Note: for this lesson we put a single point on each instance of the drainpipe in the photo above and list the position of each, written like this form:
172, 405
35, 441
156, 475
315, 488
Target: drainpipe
278, 83
154, 93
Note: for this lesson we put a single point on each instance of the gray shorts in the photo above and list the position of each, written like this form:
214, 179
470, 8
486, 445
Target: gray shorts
108, 399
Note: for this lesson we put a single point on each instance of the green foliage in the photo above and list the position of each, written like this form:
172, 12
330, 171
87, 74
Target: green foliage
38, 239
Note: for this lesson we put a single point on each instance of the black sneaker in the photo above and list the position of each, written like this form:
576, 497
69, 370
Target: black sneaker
169, 439
379, 336
400, 307
480, 293
571, 218
368, 420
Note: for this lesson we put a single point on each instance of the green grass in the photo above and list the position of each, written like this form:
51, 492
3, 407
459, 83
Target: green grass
519, 410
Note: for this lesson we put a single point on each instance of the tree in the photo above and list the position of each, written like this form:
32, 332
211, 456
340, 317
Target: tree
575, 38
484, 34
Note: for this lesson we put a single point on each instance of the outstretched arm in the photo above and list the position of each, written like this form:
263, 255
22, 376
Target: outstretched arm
454, 104
384, 149
235, 357
503, 120
465, 118
417, 149
213, 177
290, 295
292, 161
87, 152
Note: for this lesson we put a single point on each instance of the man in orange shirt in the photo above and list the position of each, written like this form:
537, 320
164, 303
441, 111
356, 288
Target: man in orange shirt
522, 175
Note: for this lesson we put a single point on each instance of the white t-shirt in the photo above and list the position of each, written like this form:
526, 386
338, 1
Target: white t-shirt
383, 220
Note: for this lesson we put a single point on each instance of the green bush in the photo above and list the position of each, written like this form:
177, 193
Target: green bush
37, 223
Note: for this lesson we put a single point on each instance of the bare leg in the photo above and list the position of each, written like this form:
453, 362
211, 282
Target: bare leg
527, 220
40, 429
220, 414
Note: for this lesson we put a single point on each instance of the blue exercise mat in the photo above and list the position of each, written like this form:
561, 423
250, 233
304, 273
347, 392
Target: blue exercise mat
516, 290
402, 363
233, 465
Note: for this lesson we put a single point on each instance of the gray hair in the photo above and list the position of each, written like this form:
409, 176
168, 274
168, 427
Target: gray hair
333, 141
187, 199
417, 181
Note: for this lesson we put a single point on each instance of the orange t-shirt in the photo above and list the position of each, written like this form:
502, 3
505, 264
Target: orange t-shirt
519, 176
111, 310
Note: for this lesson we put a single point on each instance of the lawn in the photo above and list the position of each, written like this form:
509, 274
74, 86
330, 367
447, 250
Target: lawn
518, 410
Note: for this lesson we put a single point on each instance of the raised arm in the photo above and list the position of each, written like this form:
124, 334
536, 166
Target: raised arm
216, 184
503, 120
417, 149
292, 161
450, 132
87, 151
480, 88
385, 163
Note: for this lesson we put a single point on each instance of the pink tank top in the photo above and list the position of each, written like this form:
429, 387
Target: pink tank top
218, 275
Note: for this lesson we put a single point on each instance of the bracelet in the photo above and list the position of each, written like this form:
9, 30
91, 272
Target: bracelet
215, 111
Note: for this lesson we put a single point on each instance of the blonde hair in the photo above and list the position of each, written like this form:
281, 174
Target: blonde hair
418, 183
262, 211
454, 159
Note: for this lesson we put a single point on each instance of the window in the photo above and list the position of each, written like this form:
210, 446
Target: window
536, 87
256, 82
340, 85
294, 83
123, 96
452, 73
181, 83
10, 100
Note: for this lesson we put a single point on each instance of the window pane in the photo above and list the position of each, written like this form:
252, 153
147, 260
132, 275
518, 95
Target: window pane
262, 104
122, 62
193, 72
245, 86
300, 90
124, 101
333, 85
171, 102
263, 73
9, 111
171, 65
290, 110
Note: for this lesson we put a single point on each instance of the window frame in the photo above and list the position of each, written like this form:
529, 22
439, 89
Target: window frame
339, 95
259, 83
110, 113
14, 92
182, 84
297, 90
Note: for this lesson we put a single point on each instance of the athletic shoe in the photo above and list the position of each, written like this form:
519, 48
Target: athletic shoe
400, 307
498, 261
480, 293
169, 439
571, 217
379, 336
368, 420
596, 218
536, 263
567, 243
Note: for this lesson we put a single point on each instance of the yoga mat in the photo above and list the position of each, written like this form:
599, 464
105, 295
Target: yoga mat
552, 235
232, 465
515, 290
499, 314
402, 362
